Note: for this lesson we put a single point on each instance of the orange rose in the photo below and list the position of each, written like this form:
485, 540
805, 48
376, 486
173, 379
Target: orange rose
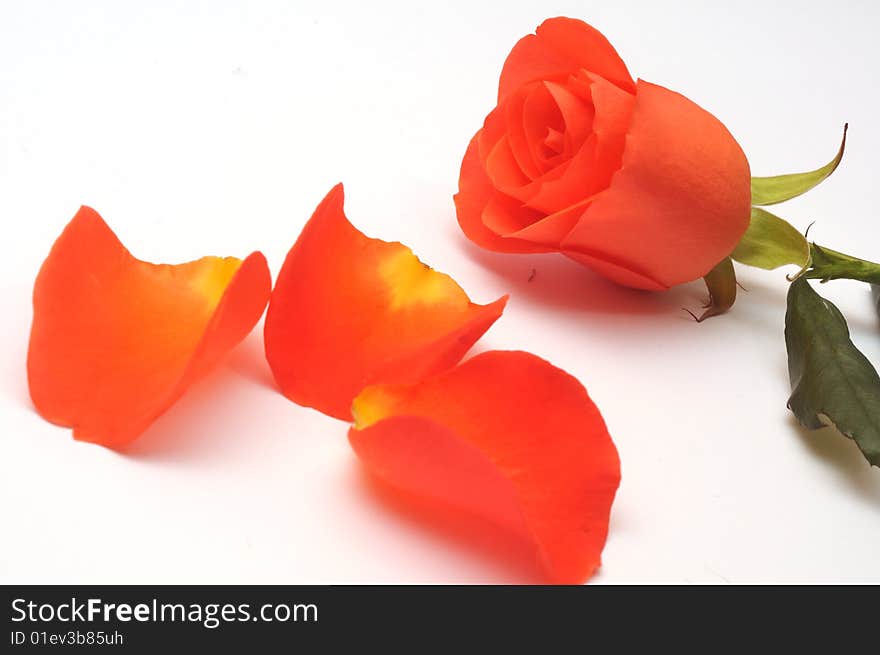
629, 178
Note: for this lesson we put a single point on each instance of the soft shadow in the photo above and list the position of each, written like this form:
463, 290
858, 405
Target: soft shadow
866, 322
248, 359
875, 298
843, 455
21, 393
756, 291
208, 421
509, 553
554, 281
201, 423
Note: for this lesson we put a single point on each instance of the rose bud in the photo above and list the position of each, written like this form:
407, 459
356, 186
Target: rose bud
629, 178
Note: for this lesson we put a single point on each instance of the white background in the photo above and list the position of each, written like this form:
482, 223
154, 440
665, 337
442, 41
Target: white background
215, 128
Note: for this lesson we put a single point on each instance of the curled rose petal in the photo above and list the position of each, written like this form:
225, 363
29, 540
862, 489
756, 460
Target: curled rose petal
115, 341
591, 169
478, 205
558, 47
348, 311
505, 436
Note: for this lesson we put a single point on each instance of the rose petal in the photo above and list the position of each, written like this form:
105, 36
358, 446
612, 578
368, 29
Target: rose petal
505, 215
507, 436
540, 111
475, 192
551, 230
348, 311
577, 180
576, 114
562, 46
115, 340
608, 110
671, 213
590, 170
509, 118
622, 272
528, 120
502, 168
613, 117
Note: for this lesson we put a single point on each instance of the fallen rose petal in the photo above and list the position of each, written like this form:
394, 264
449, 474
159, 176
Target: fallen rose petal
348, 311
505, 435
115, 340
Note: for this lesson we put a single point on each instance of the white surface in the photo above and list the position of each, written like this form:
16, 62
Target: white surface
215, 128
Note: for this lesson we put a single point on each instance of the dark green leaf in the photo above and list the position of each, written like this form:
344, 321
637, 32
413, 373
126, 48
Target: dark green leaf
721, 283
771, 190
832, 382
771, 242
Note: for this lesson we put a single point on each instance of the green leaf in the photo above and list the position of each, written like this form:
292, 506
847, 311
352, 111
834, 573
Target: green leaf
771, 242
829, 264
721, 283
771, 190
832, 382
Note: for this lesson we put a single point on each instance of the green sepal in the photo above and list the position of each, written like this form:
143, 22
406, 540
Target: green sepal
829, 264
779, 188
832, 382
721, 283
771, 242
